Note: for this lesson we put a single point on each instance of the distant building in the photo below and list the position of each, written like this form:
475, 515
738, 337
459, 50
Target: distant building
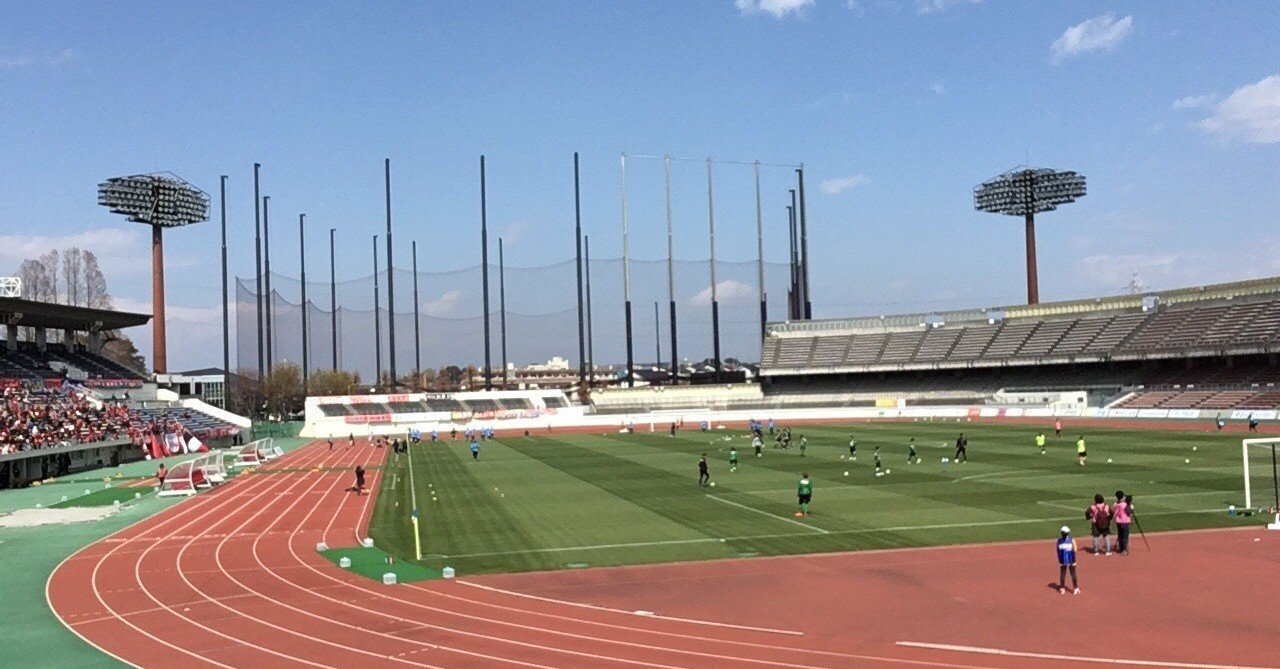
208, 384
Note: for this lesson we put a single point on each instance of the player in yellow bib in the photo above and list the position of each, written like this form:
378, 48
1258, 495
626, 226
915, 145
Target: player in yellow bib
1080, 452
1040, 442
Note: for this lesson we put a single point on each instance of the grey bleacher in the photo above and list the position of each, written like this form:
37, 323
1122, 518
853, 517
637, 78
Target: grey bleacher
334, 409
901, 346
1081, 333
937, 344
1263, 327
795, 351
973, 341
1044, 339
865, 349
829, 351
1116, 330
1233, 323
555, 401
443, 404
198, 422
1010, 338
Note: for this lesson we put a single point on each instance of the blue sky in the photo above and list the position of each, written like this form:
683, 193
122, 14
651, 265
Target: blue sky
1172, 110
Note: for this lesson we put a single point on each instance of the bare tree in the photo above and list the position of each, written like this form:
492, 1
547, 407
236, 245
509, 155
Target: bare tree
50, 288
95, 284
72, 271
32, 274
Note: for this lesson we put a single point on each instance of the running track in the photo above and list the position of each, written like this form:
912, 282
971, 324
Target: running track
231, 579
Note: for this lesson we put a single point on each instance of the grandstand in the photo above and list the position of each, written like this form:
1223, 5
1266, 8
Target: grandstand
1206, 347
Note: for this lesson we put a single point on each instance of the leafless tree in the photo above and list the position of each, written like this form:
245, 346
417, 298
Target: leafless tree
95, 284
72, 272
49, 291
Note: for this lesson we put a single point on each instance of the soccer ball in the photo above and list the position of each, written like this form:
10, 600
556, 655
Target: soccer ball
1195, 448
713, 484
946, 460
919, 460
879, 473
1187, 461
846, 473
888, 471
1108, 460
733, 469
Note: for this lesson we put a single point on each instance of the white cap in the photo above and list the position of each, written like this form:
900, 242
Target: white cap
1066, 530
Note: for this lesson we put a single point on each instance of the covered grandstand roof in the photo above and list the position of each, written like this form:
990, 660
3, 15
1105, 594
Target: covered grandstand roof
31, 313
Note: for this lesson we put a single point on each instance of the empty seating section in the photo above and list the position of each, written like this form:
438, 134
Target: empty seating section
1149, 400
405, 407
443, 404
1080, 335
555, 401
481, 405
1267, 400
27, 361
1043, 339
937, 344
828, 351
197, 422
973, 341
1116, 331
369, 409
865, 349
1208, 329
1010, 338
515, 403
901, 346
795, 351
335, 409
1224, 400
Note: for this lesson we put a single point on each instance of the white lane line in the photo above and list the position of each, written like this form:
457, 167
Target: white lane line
770, 515
562, 549
1074, 658
647, 614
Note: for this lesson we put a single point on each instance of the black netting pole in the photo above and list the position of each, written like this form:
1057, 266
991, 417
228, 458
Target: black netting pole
391, 287
577, 236
257, 263
804, 249
671, 271
226, 316
484, 277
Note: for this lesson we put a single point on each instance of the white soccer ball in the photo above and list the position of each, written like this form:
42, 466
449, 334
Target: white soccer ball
713, 484
1195, 448
846, 473
1108, 460
946, 460
919, 460
879, 473
1187, 461
888, 471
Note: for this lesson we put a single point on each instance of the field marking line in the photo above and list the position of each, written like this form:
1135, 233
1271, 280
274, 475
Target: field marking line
1059, 504
784, 519
647, 614
561, 549
1072, 658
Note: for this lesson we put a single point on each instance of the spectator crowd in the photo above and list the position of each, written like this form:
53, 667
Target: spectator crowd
35, 417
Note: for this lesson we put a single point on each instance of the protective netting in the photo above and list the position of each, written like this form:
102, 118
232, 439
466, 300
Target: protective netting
541, 315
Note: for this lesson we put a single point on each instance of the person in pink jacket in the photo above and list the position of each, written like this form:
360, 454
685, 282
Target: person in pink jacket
1099, 517
1123, 512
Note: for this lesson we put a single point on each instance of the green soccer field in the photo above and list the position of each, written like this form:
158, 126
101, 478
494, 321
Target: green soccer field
553, 502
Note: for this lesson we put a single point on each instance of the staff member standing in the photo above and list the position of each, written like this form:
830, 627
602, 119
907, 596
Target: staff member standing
704, 474
962, 449
1099, 517
1067, 561
1123, 511
359, 488
804, 494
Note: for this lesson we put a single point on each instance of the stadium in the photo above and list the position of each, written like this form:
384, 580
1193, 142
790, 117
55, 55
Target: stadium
697, 445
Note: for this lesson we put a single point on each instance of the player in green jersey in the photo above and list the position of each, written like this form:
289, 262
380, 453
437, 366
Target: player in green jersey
911, 451
804, 493
853, 448
733, 458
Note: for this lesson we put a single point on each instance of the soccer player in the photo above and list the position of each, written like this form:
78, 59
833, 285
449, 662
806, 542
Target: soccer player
911, 451
1123, 511
1057, 427
359, 489
351, 440
704, 474
804, 495
804, 443
331, 443
1221, 422
475, 449
1040, 441
962, 446
853, 448
757, 444
1099, 517
673, 430
1253, 423
733, 457
875, 456
161, 472
1080, 450
1066, 547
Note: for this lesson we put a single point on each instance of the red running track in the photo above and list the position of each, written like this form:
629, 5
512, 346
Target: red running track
231, 579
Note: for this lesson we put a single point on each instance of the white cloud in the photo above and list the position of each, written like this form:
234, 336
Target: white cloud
445, 305
15, 62
726, 291
936, 6
1100, 33
120, 251
777, 8
1194, 101
839, 185
1250, 114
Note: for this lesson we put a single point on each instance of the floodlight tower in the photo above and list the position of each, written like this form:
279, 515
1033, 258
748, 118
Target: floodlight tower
1025, 192
161, 201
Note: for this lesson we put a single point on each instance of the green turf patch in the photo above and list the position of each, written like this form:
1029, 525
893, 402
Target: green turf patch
103, 497
550, 502
372, 563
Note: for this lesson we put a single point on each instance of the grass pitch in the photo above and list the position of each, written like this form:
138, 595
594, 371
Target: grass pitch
554, 502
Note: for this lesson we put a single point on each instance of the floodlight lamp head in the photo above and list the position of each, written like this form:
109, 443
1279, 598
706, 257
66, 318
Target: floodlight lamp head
162, 199
1030, 190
